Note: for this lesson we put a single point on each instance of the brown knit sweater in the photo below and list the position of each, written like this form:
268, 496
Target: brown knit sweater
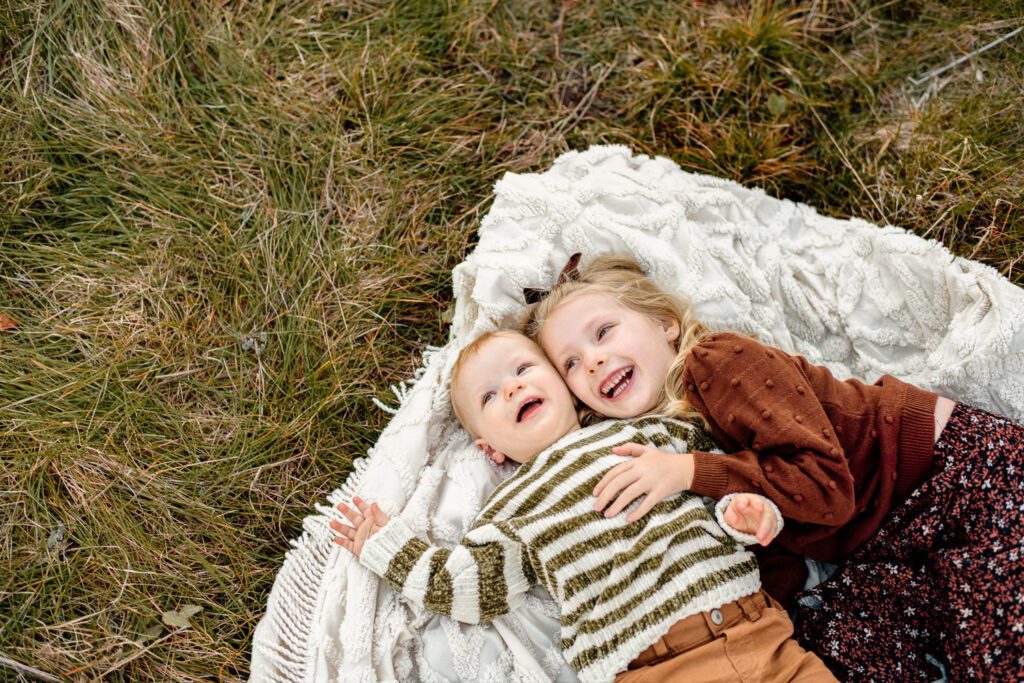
834, 456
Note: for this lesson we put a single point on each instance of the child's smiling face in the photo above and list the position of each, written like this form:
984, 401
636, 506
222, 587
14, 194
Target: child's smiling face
613, 358
511, 398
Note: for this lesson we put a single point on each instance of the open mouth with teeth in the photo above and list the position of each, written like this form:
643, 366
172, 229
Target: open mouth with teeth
528, 409
617, 383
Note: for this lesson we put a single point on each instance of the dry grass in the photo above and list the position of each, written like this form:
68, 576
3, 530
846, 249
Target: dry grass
227, 227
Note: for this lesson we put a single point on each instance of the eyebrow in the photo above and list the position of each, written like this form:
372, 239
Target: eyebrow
518, 359
588, 323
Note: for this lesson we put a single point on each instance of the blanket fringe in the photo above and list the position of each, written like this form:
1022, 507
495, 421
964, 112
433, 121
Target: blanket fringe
294, 603
401, 389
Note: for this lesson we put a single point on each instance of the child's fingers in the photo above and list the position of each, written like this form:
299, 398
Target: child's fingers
739, 511
744, 519
630, 449
613, 481
610, 475
343, 529
735, 516
731, 518
364, 509
379, 518
766, 530
614, 487
364, 533
635, 490
649, 502
350, 514
740, 504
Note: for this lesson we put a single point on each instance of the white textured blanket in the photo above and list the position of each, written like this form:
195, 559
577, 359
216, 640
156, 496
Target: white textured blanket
860, 299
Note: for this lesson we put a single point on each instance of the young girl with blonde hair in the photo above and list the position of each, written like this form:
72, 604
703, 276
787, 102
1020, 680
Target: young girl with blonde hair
917, 496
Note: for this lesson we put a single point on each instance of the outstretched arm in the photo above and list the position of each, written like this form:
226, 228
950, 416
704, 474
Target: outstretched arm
486, 576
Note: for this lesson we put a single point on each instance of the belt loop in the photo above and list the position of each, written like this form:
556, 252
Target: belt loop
752, 605
661, 648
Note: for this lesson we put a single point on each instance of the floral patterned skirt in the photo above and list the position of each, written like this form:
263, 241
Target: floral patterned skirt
943, 576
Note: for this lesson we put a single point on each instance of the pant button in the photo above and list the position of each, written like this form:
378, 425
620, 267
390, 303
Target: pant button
716, 617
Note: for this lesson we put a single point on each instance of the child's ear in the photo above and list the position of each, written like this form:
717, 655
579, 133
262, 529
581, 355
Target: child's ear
671, 328
494, 456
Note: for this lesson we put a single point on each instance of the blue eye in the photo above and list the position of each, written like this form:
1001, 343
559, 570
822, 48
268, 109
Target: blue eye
522, 368
571, 363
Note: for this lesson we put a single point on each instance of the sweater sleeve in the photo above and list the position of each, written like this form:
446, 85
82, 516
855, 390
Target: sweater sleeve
758, 397
473, 582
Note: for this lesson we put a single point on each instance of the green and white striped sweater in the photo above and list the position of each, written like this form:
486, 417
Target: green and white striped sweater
619, 585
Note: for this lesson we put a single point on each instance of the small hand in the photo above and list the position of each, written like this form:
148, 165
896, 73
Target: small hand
655, 473
365, 523
748, 514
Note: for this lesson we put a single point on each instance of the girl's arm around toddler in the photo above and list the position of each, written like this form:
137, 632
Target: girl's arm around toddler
779, 439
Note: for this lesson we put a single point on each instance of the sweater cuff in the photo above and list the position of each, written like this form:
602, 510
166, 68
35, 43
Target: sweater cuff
916, 440
744, 538
381, 547
709, 475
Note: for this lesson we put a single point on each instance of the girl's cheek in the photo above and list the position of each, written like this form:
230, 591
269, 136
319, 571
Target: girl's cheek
575, 388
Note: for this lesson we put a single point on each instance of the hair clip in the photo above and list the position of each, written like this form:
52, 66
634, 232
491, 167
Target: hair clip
570, 273
533, 295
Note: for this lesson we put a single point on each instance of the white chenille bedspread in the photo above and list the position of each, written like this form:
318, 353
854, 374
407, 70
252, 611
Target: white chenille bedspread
861, 299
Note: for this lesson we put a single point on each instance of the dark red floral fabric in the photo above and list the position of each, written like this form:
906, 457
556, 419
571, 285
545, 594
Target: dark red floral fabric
944, 576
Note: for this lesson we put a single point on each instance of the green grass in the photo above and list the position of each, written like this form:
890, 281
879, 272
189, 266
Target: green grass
187, 182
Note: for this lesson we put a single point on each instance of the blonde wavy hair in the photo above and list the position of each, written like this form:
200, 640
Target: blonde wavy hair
620, 278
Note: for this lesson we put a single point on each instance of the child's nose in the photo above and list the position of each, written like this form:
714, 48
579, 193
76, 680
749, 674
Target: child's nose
512, 386
594, 361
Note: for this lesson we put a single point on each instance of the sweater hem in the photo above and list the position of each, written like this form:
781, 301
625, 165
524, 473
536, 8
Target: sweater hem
605, 670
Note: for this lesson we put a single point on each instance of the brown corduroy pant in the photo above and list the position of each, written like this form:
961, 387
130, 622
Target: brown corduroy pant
750, 639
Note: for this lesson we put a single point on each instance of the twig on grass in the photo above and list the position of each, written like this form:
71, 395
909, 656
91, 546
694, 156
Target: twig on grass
984, 48
26, 670
138, 653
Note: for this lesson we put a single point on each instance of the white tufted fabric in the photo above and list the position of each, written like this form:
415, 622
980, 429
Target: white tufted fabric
860, 299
